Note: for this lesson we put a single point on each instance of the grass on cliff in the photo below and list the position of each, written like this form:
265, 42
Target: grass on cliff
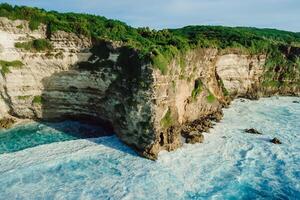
24, 97
37, 100
35, 45
160, 47
6, 65
167, 120
210, 98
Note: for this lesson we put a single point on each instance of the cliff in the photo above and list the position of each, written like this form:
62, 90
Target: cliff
109, 83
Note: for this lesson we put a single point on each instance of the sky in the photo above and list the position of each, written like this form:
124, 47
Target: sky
159, 14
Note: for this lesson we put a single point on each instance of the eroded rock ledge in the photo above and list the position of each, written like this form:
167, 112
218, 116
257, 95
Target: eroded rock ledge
109, 84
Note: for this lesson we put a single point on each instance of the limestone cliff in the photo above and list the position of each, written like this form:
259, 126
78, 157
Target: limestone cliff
110, 84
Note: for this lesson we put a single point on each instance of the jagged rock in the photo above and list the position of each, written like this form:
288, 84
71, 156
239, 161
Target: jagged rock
194, 137
253, 131
204, 126
217, 116
275, 141
6, 123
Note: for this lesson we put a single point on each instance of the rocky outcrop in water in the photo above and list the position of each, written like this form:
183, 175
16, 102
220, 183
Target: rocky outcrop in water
275, 141
6, 123
109, 84
253, 131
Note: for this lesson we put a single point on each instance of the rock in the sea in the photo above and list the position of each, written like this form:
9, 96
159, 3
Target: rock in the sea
194, 137
296, 101
218, 116
276, 141
203, 125
253, 131
6, 123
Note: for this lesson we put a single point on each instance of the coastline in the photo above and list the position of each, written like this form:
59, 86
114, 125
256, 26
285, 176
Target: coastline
205, 123
14, 122
229, 163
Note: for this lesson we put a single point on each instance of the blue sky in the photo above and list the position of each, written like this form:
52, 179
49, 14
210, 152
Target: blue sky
280, 14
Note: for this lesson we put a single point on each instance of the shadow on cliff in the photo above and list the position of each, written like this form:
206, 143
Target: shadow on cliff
74, 111
106, 89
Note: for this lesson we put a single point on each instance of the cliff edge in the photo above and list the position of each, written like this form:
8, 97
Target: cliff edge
64, 75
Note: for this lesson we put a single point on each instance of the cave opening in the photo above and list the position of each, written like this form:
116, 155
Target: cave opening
161, 141
82, 126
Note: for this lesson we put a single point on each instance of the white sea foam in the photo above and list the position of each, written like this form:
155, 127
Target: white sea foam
230, 164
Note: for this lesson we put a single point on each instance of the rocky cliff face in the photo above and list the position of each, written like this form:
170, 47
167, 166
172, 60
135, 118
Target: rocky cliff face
22, 85
241, 73
194, 93
109, 84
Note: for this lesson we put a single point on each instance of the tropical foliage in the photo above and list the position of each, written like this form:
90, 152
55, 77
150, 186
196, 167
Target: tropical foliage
160, 46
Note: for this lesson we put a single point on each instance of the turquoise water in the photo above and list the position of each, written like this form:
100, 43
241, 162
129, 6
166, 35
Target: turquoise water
230, 164
34, 134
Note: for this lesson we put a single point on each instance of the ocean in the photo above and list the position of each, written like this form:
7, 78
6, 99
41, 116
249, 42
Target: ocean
56, 161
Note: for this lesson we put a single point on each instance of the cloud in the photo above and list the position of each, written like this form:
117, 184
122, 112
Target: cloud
281, 14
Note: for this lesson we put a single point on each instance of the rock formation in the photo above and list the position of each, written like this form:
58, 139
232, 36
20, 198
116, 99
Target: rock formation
275, 141
108, 83
253, 131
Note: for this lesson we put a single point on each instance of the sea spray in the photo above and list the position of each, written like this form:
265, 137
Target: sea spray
229, 164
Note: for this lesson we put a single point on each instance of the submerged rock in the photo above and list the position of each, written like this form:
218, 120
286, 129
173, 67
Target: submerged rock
296, 101
253, 131
194, 137
6, 123
276, 141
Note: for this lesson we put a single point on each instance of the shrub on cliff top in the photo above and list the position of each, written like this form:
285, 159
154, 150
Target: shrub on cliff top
163, 44
161, 63
34, 24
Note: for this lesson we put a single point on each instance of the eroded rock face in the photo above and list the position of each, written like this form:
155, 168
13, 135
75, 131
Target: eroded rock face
109, 84
101, 82
241, 73
107, 89
22, 85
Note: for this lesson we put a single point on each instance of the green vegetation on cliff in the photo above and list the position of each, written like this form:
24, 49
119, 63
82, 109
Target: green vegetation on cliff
167, 120
210, 98
35, 45
37, 100
160, 47
6, 65
24, 97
